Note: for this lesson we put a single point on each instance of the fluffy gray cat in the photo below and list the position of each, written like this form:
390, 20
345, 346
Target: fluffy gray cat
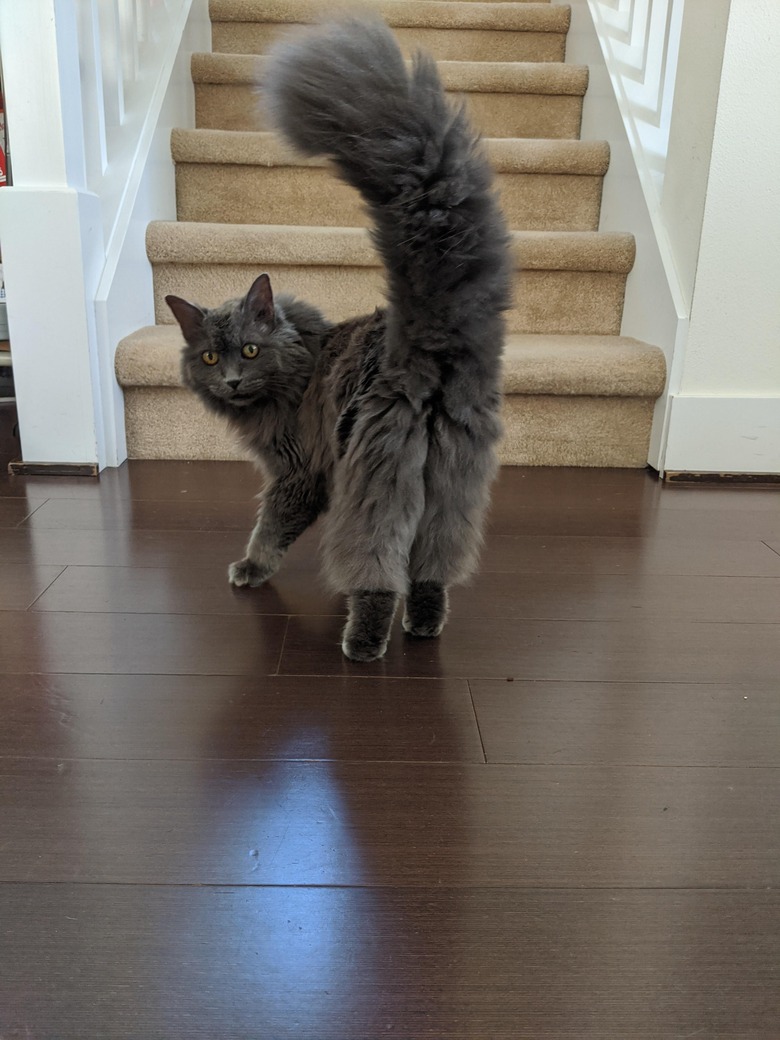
385, 423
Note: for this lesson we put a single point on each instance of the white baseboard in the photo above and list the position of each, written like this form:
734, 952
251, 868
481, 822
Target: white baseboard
723, 435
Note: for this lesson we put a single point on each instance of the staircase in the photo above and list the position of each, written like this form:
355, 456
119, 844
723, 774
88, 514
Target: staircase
576, 392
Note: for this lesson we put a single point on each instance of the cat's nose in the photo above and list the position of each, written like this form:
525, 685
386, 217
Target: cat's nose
233, 383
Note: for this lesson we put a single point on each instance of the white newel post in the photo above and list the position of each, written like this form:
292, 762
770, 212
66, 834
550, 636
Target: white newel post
725, 408
51, 236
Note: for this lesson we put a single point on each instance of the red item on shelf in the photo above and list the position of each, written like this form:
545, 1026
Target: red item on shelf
3, 171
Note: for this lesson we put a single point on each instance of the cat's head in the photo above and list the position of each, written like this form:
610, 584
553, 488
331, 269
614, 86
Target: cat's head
242, 352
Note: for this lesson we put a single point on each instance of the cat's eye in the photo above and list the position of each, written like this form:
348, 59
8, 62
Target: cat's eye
250, 350
209, 357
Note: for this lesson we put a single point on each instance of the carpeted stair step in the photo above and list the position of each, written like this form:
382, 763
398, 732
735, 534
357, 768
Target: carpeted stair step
566, 282
579, 400
568, 401
506, 99
447, 29
239, 177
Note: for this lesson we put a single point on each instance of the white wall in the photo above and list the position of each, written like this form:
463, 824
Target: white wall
726, 411
92, 88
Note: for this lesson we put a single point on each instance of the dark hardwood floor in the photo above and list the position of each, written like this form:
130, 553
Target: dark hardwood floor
558, 821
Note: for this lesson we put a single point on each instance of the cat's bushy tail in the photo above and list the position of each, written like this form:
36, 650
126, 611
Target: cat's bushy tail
343, 90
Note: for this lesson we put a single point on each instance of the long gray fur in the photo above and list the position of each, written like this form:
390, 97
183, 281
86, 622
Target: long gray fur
387, 423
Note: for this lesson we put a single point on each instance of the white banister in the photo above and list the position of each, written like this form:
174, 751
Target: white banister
640, 40
663, 58
122, 45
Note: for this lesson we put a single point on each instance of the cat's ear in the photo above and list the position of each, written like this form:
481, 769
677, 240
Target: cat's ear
259, 303
189, 317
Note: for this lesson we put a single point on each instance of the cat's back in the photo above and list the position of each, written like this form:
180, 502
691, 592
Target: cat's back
349, 357
346, 366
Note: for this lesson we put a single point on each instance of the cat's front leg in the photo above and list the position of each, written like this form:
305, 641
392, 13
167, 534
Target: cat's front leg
290, 505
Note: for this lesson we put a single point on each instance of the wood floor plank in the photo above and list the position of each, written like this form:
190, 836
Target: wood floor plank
123, 962
562, 503
522, 555
136, 548
556, 554
193, 717
654, 650
145, 479
521, 489
747, 523
203, 588
187, 644
200, 589
88, 514
422, 824
42, 488
628, 723
614, 597
14, 511
226, 481
642, 510
122, 548
22, 583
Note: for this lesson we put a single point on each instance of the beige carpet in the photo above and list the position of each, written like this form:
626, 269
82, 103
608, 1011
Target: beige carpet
576, 392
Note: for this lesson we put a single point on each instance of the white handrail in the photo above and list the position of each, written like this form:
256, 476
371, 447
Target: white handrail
121, 48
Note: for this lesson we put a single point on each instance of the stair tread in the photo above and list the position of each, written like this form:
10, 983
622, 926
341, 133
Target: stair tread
505, 77
435, 14
594, 366
507, 154
577, 365
181, 241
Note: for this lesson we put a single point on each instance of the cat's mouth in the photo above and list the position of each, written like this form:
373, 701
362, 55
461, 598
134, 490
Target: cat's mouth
243, 396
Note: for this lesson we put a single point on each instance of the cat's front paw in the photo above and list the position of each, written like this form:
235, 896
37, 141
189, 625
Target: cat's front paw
247, 574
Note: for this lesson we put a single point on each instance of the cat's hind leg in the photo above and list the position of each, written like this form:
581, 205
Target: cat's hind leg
367, 630
459, 469
425, 611
377, 500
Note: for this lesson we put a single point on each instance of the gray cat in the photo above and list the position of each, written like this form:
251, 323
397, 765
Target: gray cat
385, 423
